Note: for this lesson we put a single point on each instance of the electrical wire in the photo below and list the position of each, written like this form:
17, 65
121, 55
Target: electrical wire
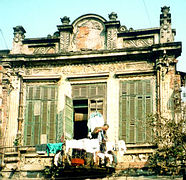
146, 10
4, 39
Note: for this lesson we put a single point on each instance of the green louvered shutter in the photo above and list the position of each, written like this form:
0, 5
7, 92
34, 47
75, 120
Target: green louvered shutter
68, 116
136, 103
40, 116
148, 109
32, 118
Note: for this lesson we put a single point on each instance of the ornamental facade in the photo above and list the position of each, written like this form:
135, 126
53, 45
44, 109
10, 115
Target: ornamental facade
51, 85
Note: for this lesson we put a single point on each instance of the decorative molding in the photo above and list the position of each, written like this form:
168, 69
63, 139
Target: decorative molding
85, 69
140, 42
64, 41
166, 34
111, 38
44, 50
41, 77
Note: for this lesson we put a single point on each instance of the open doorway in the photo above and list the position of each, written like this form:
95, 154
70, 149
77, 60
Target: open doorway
80, 118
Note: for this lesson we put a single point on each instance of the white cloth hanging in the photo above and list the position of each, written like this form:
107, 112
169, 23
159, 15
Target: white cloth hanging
95, 120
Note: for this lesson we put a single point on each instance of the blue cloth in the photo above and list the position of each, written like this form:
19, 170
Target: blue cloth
54, 147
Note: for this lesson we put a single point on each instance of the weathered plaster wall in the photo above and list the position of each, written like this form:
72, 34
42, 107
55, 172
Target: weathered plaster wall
13, 104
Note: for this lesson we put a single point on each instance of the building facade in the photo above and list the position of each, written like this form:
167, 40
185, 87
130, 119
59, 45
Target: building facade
51, 85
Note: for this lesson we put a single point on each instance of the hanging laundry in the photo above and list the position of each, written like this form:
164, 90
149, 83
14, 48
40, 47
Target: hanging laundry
54, 147
95, 120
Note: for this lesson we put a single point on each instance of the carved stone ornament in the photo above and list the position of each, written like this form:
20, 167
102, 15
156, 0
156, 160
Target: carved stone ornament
65, 20
88, 34
138, 42
64, 41
113, 16
123, 29
111, 38
44, 50
165, 25
19, 32
92, 68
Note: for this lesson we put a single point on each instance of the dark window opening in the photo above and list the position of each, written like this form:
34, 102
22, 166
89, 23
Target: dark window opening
80, 119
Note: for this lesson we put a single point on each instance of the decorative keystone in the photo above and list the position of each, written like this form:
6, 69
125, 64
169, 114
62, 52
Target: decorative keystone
113, 16
65, 20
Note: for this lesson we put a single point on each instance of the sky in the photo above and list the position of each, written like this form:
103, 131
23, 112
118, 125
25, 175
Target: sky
41, 17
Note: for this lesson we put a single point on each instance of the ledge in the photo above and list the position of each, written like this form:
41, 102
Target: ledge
142, 72
88, 76
139, 151
149, 31
41, 77
139, 145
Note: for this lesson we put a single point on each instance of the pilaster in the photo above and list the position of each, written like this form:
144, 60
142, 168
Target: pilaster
13, 83
63, 90
166, 79
113, 108
112, 29
65, 31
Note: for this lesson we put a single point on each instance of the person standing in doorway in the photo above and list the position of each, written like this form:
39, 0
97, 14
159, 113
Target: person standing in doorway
100, 133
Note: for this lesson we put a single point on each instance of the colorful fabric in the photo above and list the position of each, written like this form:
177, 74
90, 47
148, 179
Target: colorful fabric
54, 147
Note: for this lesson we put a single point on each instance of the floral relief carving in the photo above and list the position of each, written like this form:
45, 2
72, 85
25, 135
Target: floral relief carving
111, 38
64, 41
94, 68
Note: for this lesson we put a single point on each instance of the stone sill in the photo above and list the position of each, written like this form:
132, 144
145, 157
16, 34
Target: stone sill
138, 151
39, 155
140, 145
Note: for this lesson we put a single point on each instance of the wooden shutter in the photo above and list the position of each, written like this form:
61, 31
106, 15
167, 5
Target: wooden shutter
44, 117
89, 90
140, 122
123, 133
52, 123
148, 104
80, 91
37, 130
139, 87
92, 91
96, 105
37, 92
75, 91
40, 117
101, 90
148, 109
132, 120
83, 91
68, 117
136, 103
29, 117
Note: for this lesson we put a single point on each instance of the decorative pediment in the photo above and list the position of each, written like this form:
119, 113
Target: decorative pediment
88, 33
